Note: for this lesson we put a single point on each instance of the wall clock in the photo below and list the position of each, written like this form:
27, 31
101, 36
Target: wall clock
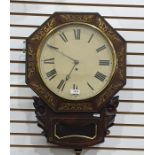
76, 63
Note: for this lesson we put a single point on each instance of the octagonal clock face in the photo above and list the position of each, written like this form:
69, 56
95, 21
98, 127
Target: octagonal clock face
76, 61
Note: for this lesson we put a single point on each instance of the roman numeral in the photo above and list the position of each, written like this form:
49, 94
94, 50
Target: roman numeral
63, 37
90, 86
75, 86
61, 84
90, 38
104, 62
51, 74
101, 48
77, 34
49, 61
100, 76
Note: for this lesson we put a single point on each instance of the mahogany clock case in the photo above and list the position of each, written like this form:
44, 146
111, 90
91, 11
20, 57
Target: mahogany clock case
79, 123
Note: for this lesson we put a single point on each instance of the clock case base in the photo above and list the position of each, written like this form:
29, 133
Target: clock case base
75, 130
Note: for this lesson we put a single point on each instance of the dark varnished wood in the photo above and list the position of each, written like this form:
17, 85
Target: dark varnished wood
47, 119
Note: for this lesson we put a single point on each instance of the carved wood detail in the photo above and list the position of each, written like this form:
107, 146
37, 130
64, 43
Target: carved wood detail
47, 119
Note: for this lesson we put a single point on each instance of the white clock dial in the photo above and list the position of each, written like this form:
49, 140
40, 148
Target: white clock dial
76, 61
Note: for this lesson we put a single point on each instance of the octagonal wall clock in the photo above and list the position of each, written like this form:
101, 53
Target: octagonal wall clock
76, 63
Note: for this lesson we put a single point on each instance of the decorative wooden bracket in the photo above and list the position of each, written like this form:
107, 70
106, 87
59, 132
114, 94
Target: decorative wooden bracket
75, 130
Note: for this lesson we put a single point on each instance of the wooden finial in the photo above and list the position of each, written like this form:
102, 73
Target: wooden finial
78, 151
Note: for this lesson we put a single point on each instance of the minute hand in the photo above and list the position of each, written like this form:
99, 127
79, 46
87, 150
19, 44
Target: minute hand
75, 61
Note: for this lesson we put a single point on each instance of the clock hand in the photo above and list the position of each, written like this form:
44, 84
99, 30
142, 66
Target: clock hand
68, 76
74, 60
66, 79
52, 46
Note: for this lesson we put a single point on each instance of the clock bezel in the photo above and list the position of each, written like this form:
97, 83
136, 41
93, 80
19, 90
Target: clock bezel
59, 104
46, 37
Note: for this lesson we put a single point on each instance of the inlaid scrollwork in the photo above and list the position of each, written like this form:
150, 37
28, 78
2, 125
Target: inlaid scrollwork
44, 30
78, 18
43, 92
30, 65
107, 29
75, 107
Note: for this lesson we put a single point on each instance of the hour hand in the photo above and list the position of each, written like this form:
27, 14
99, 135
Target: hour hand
66, 79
